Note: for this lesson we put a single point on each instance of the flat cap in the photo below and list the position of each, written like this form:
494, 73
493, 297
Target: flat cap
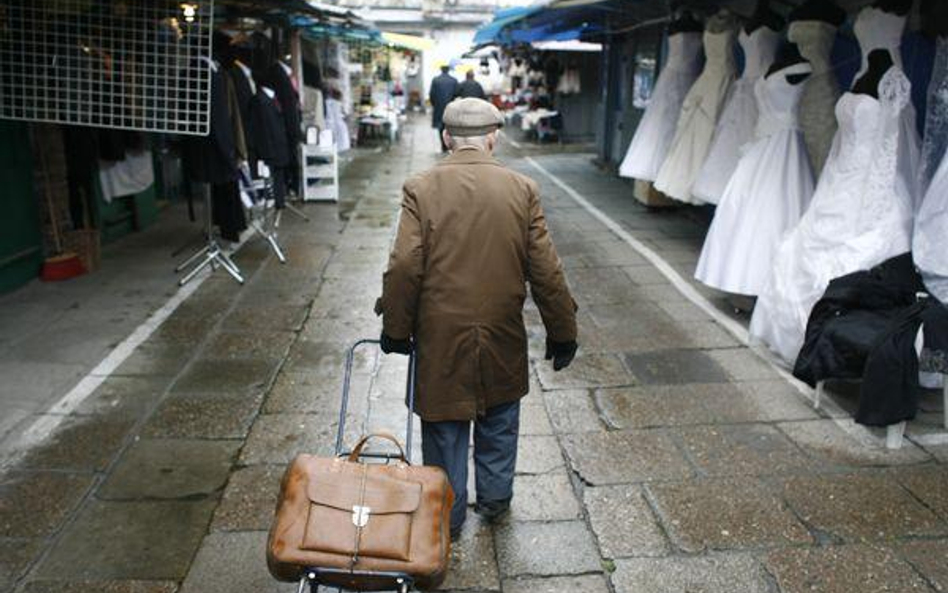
471, 117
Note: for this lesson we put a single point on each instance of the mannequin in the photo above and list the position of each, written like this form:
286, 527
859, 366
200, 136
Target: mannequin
758, 39
788, 56
649, 146
700, 112
764, 16
813, 29
880, 60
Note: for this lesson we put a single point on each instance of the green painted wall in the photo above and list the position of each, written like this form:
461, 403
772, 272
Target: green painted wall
20, 238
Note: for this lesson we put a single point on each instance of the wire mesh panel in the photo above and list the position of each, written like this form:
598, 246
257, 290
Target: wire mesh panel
132, 64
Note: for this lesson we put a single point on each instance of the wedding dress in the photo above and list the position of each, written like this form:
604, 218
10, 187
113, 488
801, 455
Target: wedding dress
860, 216
653, 136
930, 242
736, 126
818, 103
877, 29
698, 118
766, 196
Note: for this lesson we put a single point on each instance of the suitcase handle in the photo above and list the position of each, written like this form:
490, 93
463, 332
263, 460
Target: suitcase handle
357, 451
409, 395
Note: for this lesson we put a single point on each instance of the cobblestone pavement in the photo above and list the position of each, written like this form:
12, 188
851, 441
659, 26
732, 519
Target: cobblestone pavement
668, 458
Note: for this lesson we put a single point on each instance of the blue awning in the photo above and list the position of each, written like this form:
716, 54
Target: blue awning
490, 32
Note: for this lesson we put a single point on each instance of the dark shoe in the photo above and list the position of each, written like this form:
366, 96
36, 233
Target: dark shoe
456, 532
492, 510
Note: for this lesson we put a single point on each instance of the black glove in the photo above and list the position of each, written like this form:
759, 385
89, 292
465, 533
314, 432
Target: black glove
561, 353
390, 345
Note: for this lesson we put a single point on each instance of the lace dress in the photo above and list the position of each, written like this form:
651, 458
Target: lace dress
860, 216
698, 118
653, 136
877, 29
930, 241
769, 191
935, 142
818, 103
736, 126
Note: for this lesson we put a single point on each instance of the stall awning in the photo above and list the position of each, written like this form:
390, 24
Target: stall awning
490, 32
412, 42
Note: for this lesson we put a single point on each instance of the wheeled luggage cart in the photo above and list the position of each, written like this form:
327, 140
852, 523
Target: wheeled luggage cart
315, 577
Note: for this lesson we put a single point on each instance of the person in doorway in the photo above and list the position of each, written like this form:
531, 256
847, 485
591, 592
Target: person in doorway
471, 236
444, 88
470, 87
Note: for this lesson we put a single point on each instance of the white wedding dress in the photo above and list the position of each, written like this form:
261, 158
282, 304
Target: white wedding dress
653, 136
930, 242
860, 216
736, 126
818, 103
874, 29
698, 118
765, 198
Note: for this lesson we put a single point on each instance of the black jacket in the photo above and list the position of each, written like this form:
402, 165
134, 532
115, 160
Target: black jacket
289, 102
269, 130
471, 88
212, 158
444, 88
244, 97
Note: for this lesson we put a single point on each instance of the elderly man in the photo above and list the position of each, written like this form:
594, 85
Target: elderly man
444, 88
471, 236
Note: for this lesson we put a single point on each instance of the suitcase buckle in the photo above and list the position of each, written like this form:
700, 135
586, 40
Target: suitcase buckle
360, 515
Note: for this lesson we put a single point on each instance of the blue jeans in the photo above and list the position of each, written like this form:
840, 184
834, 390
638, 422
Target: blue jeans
445, 445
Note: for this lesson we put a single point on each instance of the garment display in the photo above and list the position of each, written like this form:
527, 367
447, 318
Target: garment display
768, 193
336, 121
270, 139
314, 108
930, 240
131, 175
860, 215
568, 83
935, 142
698, 119
245, 87
817, 105
654, 134
213, 158
736, 126
875, 29
285, 87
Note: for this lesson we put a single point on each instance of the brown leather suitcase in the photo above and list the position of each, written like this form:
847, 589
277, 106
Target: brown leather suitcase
346, 522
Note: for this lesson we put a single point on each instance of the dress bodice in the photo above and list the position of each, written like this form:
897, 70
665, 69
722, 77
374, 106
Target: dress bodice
719, 52
778, 100
815, 41
759, 47
935, 142
684, 50
877, 29
858, 117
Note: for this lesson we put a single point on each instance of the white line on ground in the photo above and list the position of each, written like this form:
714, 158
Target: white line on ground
47, 422
740, 333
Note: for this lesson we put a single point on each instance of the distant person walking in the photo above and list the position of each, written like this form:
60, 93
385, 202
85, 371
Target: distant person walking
471, 88
444, 88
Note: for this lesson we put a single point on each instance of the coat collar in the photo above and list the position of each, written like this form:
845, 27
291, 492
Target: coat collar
469, 157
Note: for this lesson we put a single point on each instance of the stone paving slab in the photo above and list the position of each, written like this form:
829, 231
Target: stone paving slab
170, 469
82, 443
742, 449
131, 396
204, 415
544, 497
15, 558
229, 561
860, 507
99, 586
129, 541
666, 367
928, 483
929, 559
537, 548
716, 573
843, 569
473, 560
824, 440
578, 584
278, 438
246, 345
722, 515
227, 376
249, 500
588, 370
34, 504
572, 411
625, 457
623, 522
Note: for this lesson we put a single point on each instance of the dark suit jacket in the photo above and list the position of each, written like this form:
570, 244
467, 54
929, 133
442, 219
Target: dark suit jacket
444, 88
213, 158
269, 130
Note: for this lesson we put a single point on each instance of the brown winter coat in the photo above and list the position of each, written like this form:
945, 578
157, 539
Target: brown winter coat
471, 235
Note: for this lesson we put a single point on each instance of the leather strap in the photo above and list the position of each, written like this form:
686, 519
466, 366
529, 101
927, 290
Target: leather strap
357, 451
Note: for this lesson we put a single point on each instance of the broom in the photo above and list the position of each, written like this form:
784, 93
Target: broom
62, 265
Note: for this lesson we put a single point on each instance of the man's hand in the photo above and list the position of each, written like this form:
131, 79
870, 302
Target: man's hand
390, 345
561, 353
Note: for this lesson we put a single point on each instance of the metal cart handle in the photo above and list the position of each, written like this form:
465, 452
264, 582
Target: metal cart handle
409, 391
